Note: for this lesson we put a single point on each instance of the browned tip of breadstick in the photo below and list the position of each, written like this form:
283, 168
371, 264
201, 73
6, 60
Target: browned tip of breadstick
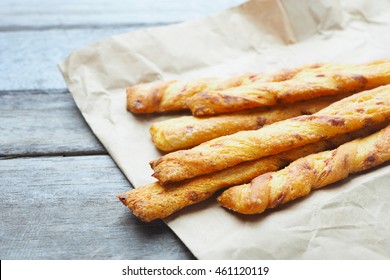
154, 201
137, 200
146, 98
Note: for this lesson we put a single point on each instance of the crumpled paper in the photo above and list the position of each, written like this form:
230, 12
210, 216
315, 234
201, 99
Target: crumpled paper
348, 220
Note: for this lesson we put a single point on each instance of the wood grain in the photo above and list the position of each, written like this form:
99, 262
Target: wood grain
55, 207
29, 59
75, 13
65, 208
34, 38
44, 123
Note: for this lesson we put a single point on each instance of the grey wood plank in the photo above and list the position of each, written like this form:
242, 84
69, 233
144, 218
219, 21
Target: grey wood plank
43, 123
66, 208
29, 59
43, 13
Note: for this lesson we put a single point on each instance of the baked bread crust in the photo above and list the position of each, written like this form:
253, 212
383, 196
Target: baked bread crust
188, 131
328, 79
155, 201
306, 174
174, 95
349, 114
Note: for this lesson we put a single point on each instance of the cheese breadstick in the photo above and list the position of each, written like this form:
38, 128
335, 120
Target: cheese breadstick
174, 95
328, 79
349, 114
188, 131
306, 174
155, 201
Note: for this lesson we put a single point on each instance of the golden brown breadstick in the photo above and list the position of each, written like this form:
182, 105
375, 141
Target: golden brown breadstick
174, 95
303, 175
188, 131
328, 79
351, 113
154, 201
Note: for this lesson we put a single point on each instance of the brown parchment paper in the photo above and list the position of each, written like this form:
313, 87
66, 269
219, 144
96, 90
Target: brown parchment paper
349, 220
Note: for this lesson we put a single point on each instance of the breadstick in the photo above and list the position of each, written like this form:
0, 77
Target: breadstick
174, 95
186, 132
351, 113
155, 201
306, 174
328, 79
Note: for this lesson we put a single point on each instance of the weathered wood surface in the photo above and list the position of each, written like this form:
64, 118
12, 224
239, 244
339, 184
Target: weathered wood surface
55, 207
22, 14
65, 208
44, 123
49, 30
36, 35
29, 59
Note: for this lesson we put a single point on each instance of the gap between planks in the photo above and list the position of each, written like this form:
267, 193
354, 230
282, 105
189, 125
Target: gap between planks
55, 156
41, 125
35, 91
66, 154
23, 28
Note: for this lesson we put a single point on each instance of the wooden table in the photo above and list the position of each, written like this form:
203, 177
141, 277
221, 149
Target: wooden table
57, 182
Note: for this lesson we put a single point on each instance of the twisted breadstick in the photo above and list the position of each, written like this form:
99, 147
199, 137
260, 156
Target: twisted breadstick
186, 132
351, 113
328, 79
314, 171
155, 201
174, 95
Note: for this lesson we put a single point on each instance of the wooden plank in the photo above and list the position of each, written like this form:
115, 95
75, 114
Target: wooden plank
43, 123
65, 208
21, 14
29, 59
